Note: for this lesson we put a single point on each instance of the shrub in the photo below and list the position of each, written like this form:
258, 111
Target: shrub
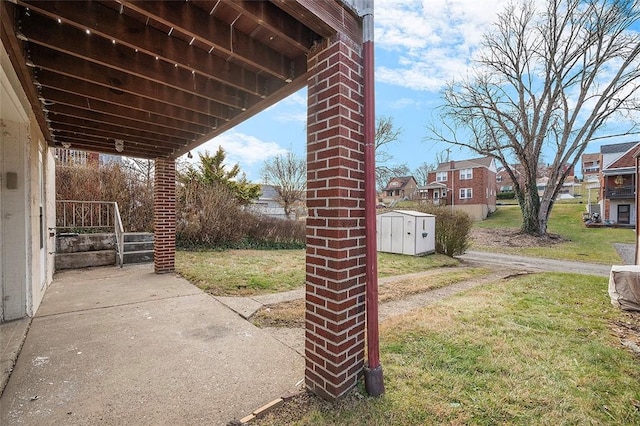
506, 195
109, 182
452, 229
211, 216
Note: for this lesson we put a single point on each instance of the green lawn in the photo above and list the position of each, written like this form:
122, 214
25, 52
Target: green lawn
584, 244
535, 350
248, 272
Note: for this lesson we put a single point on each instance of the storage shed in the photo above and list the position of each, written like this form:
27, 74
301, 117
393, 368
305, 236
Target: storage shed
406, 232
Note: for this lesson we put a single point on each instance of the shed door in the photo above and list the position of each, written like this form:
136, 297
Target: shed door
397, 234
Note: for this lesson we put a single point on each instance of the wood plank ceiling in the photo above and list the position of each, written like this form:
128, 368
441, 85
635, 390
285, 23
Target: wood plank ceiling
158, 77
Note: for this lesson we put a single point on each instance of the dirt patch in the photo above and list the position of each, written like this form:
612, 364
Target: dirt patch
286, 314
627, 329
512, 237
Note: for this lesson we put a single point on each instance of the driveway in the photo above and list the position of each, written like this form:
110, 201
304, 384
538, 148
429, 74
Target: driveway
127, 346
534, 264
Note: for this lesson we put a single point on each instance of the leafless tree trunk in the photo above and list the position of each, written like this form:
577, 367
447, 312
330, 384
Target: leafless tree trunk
386, 135
288, 174
547, 80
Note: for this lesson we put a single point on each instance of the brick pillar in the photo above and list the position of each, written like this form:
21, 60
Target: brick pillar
335, 274
164, 216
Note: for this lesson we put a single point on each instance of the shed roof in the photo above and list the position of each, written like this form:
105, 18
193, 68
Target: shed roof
407, 213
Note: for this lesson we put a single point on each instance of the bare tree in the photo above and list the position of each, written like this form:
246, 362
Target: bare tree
421, 173
549, 80
386, 134
288, 174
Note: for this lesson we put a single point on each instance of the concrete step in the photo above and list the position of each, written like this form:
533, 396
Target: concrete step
138, 246
142, 256
131, 237
84, 259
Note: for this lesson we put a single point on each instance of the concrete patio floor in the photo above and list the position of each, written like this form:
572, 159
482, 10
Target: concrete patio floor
127, 346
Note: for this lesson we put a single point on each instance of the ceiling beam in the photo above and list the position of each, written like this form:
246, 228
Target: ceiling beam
84, 114
119, 132
105, 22
107, 146
91, 131
269, 17
127, 100
104, 66
143, 117
228, 41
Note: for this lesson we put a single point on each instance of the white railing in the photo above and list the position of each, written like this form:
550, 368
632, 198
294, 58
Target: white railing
91, 216
119, 230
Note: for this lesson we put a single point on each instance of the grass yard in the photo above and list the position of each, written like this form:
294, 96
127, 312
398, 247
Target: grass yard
533, 350
291, 314
584, 244
249, 272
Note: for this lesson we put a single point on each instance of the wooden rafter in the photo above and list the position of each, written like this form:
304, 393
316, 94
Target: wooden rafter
163, 76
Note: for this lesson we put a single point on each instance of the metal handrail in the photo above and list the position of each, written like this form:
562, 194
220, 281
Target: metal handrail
91, 215
119, 231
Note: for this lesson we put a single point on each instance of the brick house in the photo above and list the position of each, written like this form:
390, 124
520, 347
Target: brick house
467, 185
504, 183
617, 179
400, 188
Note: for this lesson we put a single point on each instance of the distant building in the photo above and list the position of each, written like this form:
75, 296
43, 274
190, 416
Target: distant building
467, 185
72, 157
590, 167
267, 203
399, 189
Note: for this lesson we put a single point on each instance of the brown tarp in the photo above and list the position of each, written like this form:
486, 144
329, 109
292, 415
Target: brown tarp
624, 287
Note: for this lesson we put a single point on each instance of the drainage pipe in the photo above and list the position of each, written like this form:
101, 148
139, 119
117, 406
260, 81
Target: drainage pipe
373, 379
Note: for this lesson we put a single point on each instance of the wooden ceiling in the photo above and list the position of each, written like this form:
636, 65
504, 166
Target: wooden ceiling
161, 76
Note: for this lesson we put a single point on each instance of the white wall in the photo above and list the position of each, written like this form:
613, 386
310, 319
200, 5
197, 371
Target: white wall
24, 274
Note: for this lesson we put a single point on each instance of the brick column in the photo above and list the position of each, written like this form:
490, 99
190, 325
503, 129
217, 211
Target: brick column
335, 274
164, 216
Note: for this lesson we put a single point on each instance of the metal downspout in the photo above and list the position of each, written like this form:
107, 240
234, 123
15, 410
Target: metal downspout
373, 379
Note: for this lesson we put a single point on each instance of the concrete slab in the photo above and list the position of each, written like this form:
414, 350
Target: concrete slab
243, 306
12, 336
126, 346
247, 306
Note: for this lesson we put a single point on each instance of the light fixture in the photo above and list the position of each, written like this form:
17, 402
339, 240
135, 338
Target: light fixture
119, 145
21, 36
189, 155
66, 145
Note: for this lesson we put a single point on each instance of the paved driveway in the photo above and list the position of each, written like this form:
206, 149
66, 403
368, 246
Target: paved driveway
127, 346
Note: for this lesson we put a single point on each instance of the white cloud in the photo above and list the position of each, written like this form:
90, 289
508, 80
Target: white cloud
404, 103
297, 116
243, 149
436, 38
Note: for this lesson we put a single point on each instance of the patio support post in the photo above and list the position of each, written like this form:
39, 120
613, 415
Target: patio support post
336, 251
164, 216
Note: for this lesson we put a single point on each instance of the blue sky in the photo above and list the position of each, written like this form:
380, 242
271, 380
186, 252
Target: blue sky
419, 46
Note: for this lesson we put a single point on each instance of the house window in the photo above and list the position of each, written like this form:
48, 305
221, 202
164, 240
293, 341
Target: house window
466, 193
466, 174
441, 177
